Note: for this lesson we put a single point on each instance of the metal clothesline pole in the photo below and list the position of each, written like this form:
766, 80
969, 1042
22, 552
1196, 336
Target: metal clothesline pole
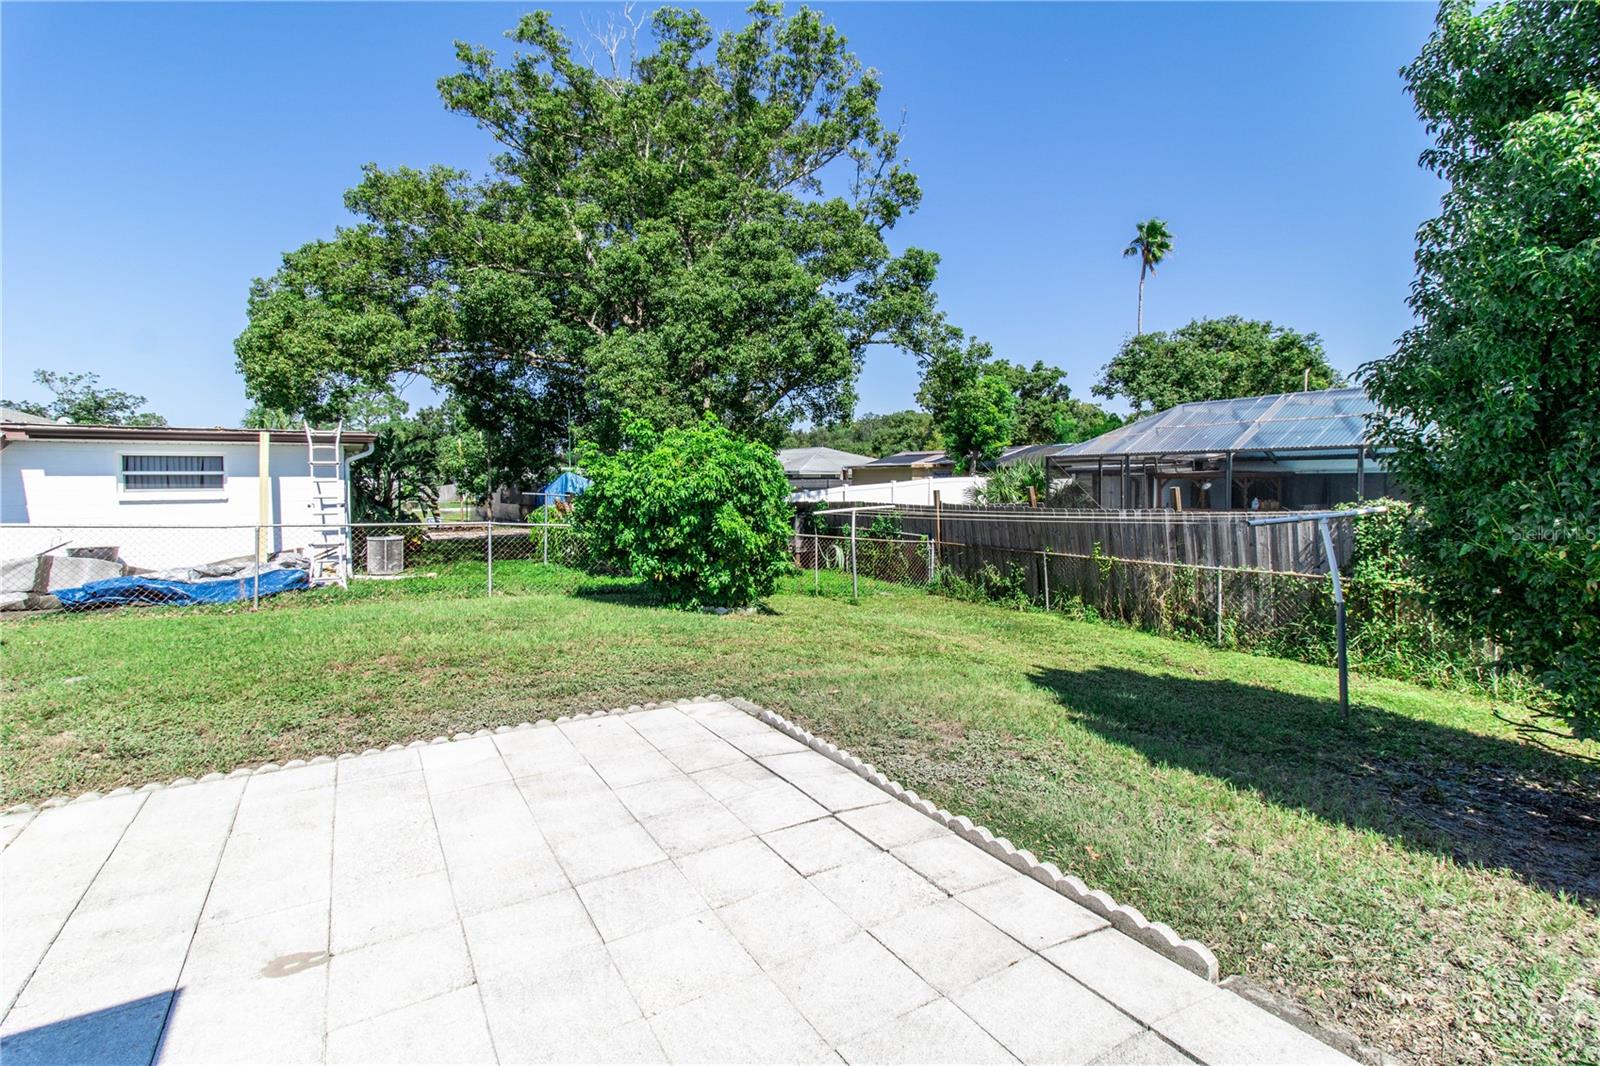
855, 585
1322, 519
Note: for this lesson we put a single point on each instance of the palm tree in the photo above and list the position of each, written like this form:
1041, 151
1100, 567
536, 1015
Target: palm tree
1151, 243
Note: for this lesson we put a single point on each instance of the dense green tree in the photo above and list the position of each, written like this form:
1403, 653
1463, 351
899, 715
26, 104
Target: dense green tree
1046, 411
980, 420
1492, 402
1152, 242
876, 435
705, 229
464, 458
970, 400
1214, 359
79, 399
700, 514
1081, 421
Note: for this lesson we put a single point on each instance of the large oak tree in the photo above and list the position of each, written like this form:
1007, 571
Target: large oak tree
703, 229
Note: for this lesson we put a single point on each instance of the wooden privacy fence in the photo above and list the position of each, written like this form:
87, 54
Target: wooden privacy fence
1191, 538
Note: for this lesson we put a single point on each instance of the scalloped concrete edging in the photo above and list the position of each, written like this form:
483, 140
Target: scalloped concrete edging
1190, 954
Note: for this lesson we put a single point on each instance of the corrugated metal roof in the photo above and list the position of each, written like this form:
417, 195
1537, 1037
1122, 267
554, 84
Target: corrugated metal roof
819, 462
1332, 418
913, 459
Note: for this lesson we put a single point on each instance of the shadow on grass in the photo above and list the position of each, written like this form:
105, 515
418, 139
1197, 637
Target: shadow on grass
1476, 799
629, 592
632, 592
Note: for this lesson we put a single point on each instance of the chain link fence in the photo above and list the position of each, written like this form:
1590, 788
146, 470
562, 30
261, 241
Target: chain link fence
46, 568
1391, 629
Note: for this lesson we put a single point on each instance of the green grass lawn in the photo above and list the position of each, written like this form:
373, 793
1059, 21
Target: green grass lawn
1418, 874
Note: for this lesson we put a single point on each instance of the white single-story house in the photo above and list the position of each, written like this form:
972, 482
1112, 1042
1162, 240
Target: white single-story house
164, 496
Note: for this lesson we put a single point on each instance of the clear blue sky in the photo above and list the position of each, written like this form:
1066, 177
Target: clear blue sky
157, 158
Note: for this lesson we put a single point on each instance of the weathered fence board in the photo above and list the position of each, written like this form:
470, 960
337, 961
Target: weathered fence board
1192, 538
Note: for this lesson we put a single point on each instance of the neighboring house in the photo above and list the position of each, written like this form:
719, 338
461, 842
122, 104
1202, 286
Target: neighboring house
1295, 451
86, 488
903, 466
918, 492
819, 468
912, 466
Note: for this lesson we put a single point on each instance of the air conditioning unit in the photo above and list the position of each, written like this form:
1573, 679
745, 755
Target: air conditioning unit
386, 555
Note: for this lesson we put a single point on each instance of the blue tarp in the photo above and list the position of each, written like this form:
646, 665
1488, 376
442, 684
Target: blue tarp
564, 487
129, 591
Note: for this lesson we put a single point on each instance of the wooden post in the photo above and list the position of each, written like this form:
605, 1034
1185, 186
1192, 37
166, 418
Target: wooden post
1033, 497
263, 496
1177, 497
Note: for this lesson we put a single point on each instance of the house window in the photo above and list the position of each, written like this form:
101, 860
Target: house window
165, 472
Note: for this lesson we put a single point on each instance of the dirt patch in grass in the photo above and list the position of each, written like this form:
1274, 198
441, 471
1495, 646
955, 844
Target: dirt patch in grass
1545, 829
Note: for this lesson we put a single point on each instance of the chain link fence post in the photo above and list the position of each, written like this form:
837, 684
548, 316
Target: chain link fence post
1219, 606
261, 559
816, 564
930, 563
855, 585
488, 541
544, 540
1044, 565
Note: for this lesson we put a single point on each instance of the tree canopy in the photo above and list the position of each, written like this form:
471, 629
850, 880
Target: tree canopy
1492, 402
1046, 411
877, 435
78, 398
969, 397
1214, 359
704, 229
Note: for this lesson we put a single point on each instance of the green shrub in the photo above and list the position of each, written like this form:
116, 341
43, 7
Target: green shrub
1380, 541
1010, 484
701, 515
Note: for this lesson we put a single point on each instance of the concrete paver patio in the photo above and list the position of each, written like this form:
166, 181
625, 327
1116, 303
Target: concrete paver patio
680, 884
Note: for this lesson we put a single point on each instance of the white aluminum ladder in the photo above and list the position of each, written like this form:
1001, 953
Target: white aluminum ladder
329, 546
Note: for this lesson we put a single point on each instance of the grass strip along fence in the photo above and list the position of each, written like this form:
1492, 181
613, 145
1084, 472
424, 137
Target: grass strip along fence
1391, 630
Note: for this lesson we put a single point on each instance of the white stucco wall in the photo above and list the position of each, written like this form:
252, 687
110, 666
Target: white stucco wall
50, 486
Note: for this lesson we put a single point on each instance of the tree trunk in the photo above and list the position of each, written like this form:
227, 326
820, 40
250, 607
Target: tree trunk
1139, 325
